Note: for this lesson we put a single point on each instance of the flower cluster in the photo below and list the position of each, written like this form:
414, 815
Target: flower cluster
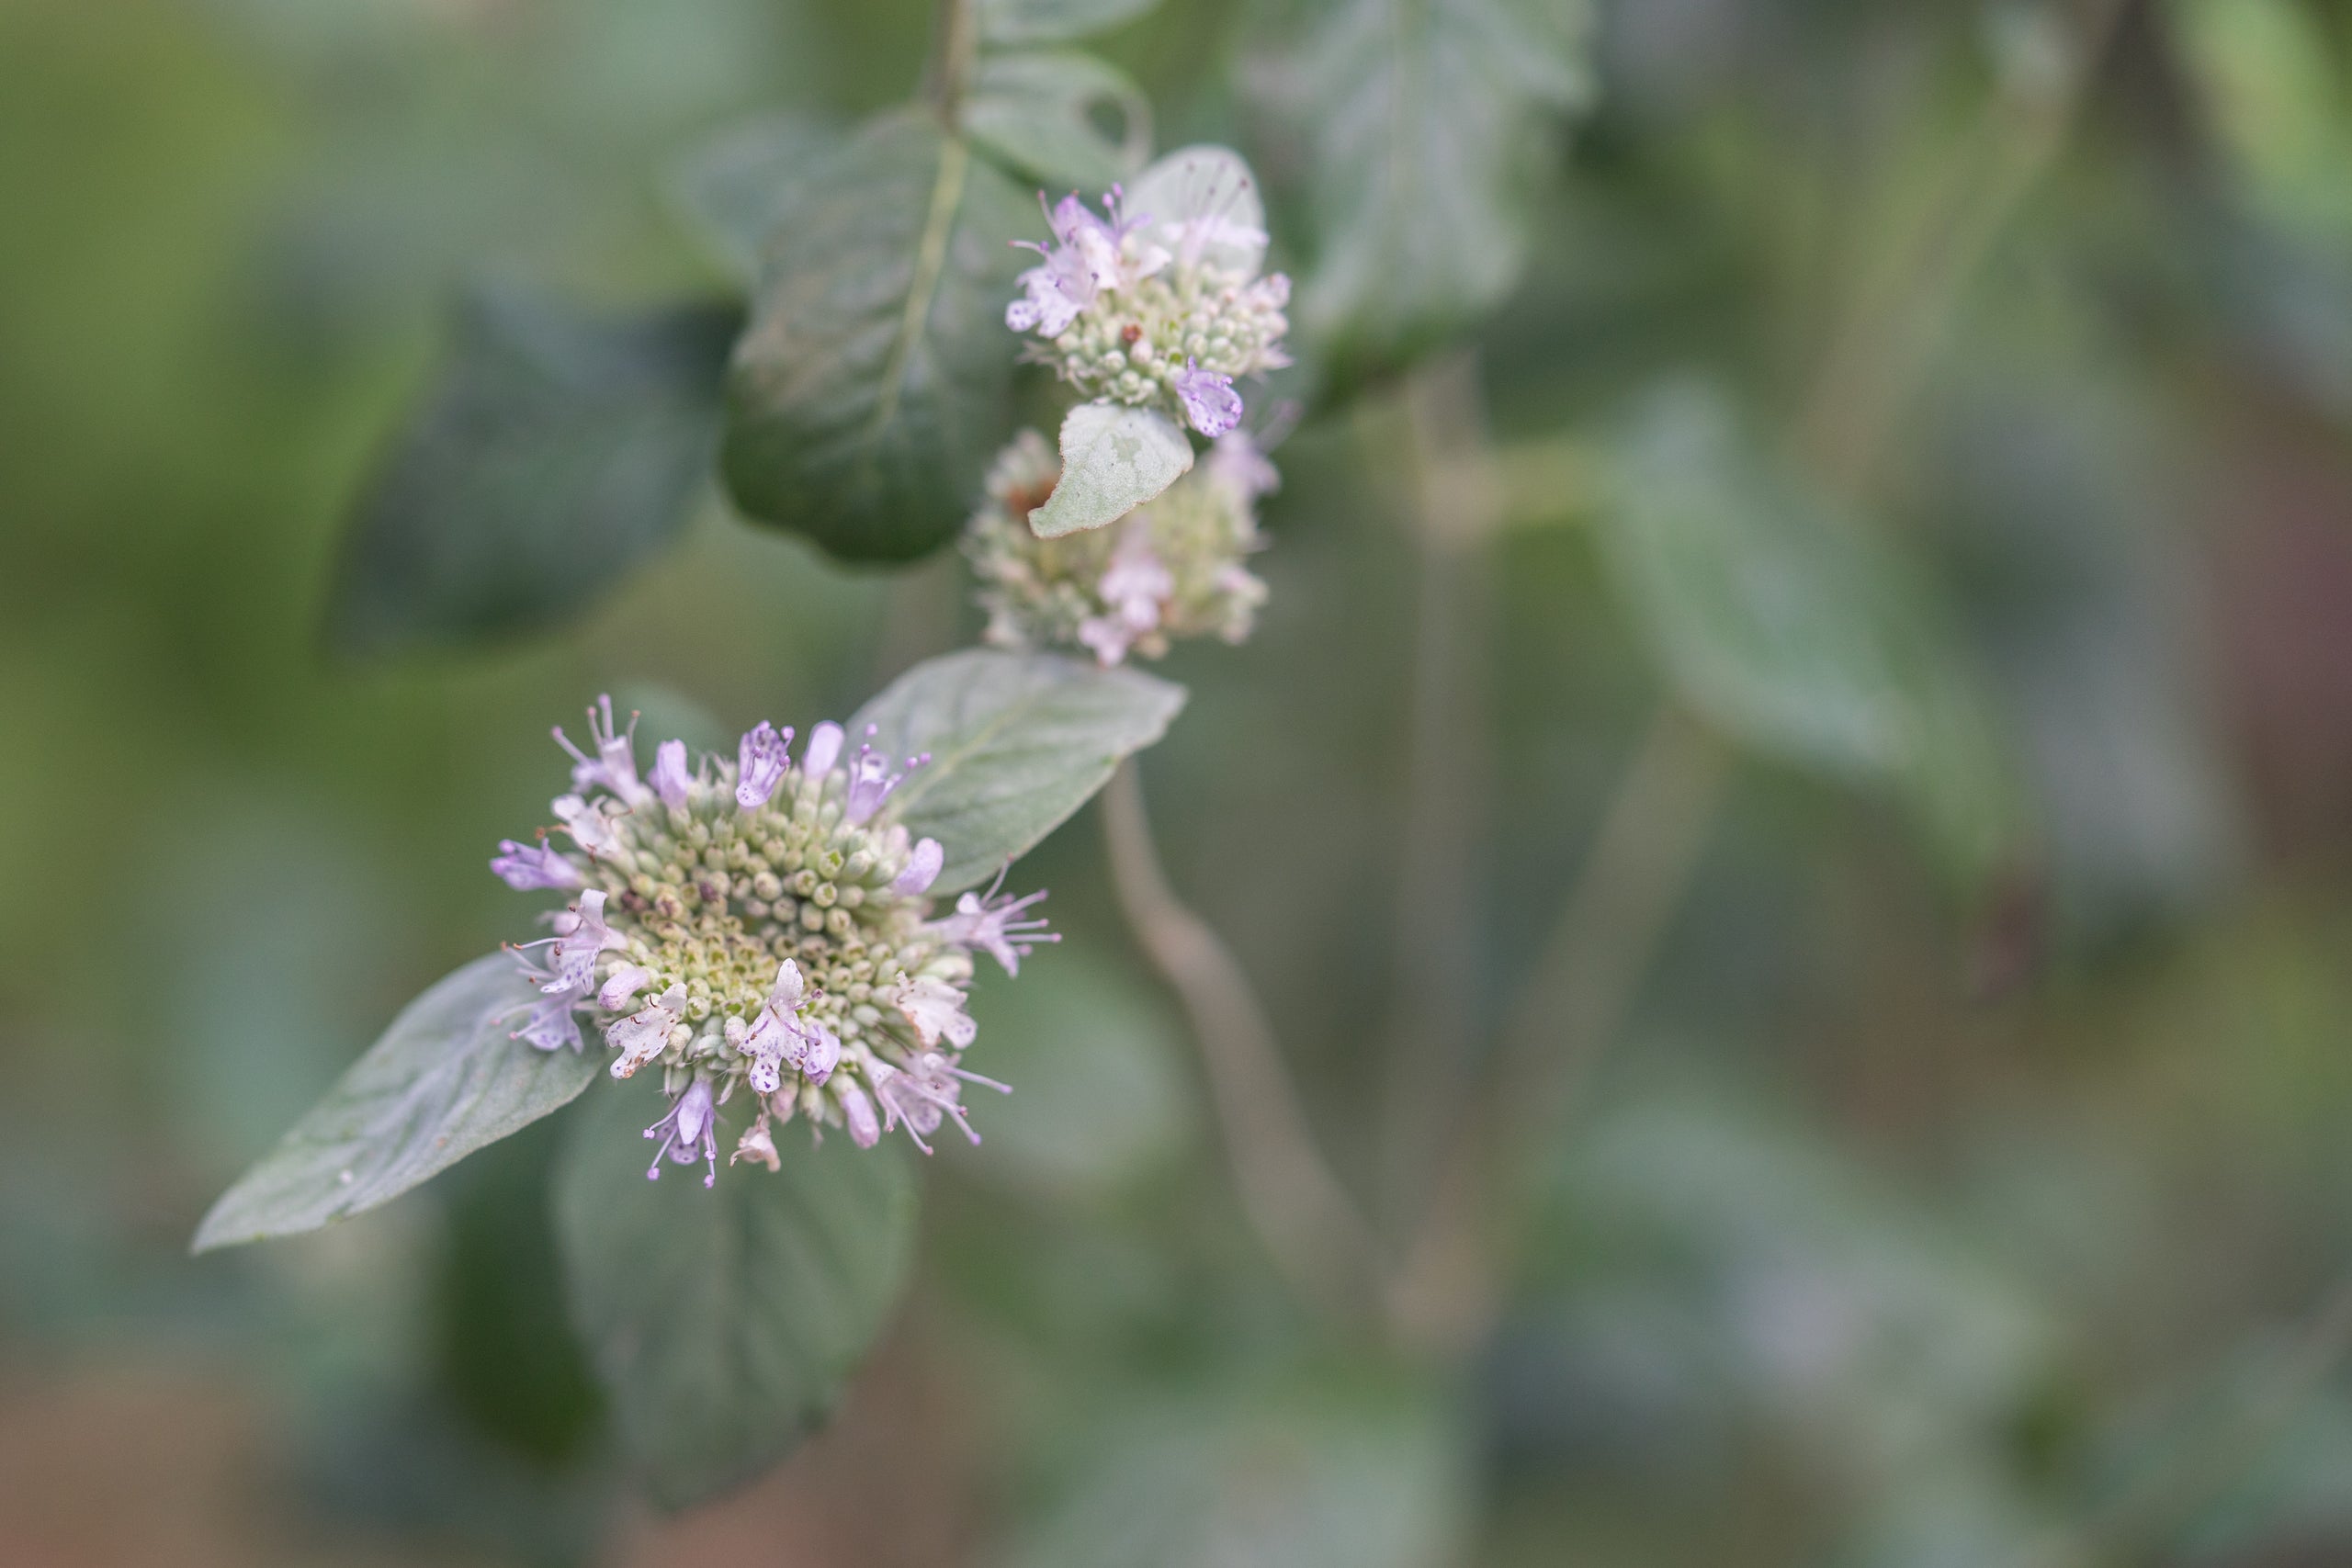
1127, 319
758, 923
1172, 568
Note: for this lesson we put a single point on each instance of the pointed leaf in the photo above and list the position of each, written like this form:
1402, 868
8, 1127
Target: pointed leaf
557, 450
445, 1080
870, 389
1428, 123
1789, 627
1017, 743
724, 1321
1035, 113
1204, 181
1114, 459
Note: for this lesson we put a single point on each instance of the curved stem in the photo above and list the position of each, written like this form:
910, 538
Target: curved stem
1304, 1218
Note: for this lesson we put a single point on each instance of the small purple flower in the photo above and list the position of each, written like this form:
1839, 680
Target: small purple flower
1209, 400
922, 869
870, 781
614, 764
688, 1134
925, 1093
865, 1127
936, 1010
1239, 463
780, 1036
987, 921
672, 779
645, 1035
552, 1021
763, 757
525, 867
589, 826
824, 749
580, 934
1089, 254
624, 982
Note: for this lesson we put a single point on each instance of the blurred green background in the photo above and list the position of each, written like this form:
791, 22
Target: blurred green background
1965, 1180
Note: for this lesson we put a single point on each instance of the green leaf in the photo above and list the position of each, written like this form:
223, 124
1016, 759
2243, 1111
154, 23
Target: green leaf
445, 1080
555, 451
737, 187
871, 388
1427, 122
1204, 181
1114, 459
1017, 743
1788, 626
1318, 1474
1050, 21
1036, 114
723, 1321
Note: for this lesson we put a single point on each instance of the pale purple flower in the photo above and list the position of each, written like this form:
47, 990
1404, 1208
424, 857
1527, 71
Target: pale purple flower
645, 1035
824, 749
1209, 400
858, 1111
922, 869
926, 1092
552, 1021
688, 1134
763, 758
1089, 254
672, 778
614, 764
935, 1009
757, 1142
588, 824
988, 922
871, 780
1135, 585
1238, 462
580, 934
525, 867
780, 1036
624, 982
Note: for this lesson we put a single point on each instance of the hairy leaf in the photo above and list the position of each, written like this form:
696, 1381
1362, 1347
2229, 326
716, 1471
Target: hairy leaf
1114, 459
1425, 124
1017, 742
1036, 114
555, 451
1049, 21
1204, 181
1785, 625
870, 389
737, 187
723, 1321
445, 1080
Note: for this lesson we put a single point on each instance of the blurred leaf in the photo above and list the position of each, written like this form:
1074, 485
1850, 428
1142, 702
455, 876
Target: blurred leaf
1351, 1476
870, 391
556, 451
737, 187
1204, 181
1049, 21
2279, 101
724, 1321
1425, 121
1785, 625
1114, 459
1095, 1056
1035, 113
445, 1080
1017, 742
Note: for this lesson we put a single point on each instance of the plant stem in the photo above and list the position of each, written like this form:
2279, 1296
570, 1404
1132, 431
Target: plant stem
1560, 1023
1459, 497
1301, 1214
955, 36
